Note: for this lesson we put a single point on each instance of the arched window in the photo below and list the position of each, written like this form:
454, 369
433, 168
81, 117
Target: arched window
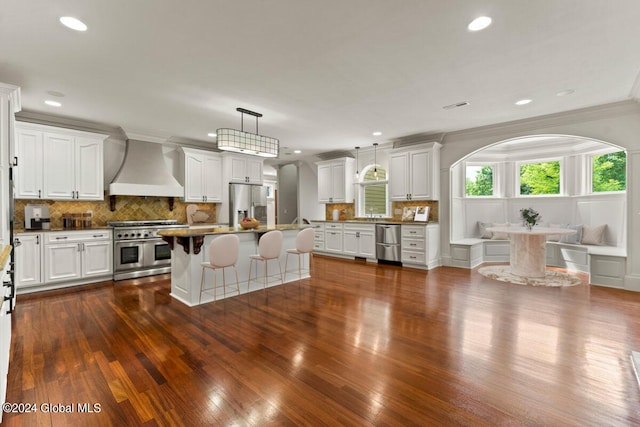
373, 192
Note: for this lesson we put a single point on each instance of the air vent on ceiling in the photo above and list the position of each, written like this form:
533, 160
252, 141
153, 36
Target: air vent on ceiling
456, 105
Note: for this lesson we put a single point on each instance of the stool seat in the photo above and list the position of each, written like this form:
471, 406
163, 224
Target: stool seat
223, 252
304, 245
269, 248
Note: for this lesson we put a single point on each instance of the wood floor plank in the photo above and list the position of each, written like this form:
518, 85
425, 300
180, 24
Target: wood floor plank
357, 344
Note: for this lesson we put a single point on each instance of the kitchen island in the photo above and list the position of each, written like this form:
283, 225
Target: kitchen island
189, 248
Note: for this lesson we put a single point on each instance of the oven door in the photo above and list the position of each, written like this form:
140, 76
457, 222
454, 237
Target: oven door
157, 253
128, 256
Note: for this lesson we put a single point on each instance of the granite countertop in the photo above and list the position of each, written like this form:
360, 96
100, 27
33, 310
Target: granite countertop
376, 221
22, 230
191, 232
4, 255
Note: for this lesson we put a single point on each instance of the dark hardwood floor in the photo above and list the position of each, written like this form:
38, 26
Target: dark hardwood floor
358, 344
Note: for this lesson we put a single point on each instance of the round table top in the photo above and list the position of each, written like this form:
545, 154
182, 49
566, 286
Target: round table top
538, 231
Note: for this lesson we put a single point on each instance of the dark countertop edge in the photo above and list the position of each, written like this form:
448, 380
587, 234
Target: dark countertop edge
22, 230
4, 256
186, 232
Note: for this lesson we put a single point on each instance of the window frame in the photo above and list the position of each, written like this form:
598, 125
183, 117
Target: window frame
494, 172
589, 169
361, 184
518, 164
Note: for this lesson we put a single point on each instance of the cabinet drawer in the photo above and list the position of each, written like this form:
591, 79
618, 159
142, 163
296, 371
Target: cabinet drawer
318, 226
413, 231
76, 236
413, 244
413, 257
332, 226
318, 236
366, 228
318, 246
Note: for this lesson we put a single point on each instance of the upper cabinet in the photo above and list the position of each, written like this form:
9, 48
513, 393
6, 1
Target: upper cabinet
202, 176
414, 173
58, 164
335, 180
241, 168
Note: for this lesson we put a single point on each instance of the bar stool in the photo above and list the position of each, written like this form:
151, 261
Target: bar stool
304, 245
269, 248
223, 252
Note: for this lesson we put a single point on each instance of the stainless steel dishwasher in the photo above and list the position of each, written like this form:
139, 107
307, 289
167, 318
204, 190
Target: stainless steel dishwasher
388, 242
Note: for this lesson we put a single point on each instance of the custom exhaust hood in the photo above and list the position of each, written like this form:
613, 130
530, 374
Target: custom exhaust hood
144, 172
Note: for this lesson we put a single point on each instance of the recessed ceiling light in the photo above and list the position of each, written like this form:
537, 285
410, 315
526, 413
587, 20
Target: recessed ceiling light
73, 23
212, 134
565, 92
55, 93
377, 133
479, 23
53, 103
456, 105
523, 102
297, 151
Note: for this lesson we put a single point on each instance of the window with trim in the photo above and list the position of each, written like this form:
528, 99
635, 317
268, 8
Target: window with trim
373, 192
479, 180
539, 178
609, 172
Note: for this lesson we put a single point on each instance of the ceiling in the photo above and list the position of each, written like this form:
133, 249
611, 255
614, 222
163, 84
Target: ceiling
324, 74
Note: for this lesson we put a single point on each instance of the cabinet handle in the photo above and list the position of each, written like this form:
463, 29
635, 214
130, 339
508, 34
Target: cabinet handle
412, 232
39, 194
37, 240
412, 257
412, 244
15, 161
61, 238
357, 234
98, 235
16, 242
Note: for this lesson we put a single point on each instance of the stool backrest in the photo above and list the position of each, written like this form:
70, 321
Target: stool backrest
270, 244
223, 250
304, 240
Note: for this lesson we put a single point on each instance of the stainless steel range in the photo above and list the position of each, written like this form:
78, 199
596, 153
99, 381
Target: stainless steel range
138, 251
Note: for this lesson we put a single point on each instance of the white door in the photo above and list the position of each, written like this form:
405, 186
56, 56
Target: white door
89, 178
212, 180
399, 176
367, 244
350, 243
421, 176
325, 184
238, 169
62, 262
194, 177
97, 258
254, 171
333, 241
28, 254
339, 184
28, 179
58, 166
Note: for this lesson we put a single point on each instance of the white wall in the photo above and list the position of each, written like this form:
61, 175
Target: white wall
617, 124
308, 206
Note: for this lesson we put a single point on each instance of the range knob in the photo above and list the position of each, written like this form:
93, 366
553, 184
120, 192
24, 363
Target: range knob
119, 235
126, 235
146, 234
139, 234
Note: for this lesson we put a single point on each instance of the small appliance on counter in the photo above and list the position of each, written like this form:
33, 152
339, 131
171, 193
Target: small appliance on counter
36, 217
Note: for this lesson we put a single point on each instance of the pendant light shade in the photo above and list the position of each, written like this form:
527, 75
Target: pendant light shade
240, 141
357, 164
375, 160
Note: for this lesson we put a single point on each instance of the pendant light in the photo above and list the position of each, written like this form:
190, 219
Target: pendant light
375, 160
357, 164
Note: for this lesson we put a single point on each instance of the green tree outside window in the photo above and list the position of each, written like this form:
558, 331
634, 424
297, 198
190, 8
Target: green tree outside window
479, 181
540, 178
610, 172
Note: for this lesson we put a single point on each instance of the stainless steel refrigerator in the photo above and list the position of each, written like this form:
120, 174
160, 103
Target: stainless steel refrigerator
247, 200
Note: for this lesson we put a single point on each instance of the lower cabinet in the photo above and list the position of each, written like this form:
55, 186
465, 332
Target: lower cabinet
333, 238
421, 245
68, 257
359, 240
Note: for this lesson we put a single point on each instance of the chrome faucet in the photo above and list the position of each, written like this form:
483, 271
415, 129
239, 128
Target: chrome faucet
371, 213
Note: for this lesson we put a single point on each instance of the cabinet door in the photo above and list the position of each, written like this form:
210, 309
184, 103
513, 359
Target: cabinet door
367, 244
62, 262
28, 260
254, 170
58, 166
338, 183
212, 179
333, 241
238, 170
420, 179
97, 258
325, 184
350, 243
399, 176
194, 177
28, 178
89, 178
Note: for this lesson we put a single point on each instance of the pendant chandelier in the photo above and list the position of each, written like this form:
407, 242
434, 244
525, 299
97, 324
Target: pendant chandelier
375, 160
240, 141
357, 164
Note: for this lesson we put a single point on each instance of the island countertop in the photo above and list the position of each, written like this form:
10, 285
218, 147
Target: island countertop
195, 232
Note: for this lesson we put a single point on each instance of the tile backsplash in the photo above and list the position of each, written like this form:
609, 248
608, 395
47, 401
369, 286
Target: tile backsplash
127, 208
348, 209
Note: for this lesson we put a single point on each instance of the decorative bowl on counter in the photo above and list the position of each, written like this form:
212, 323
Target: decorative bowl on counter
248, 223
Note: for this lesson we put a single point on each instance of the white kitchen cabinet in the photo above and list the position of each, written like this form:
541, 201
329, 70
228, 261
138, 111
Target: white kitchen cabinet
240, 168
414, 173
28, 255
77, 255
58, 164
335, 180
202, 176
333, 238
359, 240
420, 245
318, 237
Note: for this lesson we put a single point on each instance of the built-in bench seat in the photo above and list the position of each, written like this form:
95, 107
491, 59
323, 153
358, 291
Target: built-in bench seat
606, 265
